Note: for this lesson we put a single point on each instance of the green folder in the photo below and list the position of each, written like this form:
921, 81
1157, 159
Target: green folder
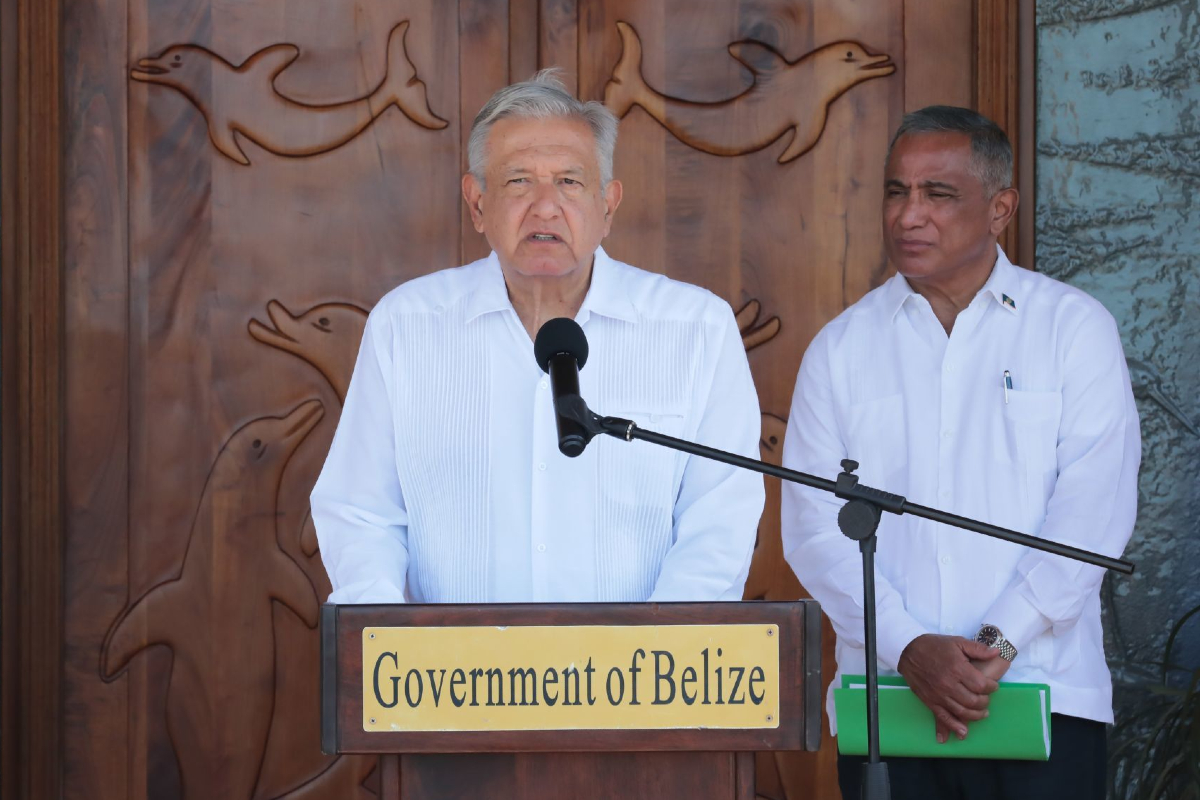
1017, 726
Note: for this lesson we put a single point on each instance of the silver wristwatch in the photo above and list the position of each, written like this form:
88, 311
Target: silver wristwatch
991, 636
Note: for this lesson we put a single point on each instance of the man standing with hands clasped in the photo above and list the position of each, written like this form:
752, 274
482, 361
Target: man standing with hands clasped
968, 384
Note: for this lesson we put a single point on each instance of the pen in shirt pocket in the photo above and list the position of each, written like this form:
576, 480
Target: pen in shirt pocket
1007, 385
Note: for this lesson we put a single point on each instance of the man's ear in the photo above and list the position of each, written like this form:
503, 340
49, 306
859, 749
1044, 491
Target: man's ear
612, 198
473, 195
1004, 207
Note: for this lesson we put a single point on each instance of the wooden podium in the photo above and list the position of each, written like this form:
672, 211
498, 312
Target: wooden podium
570, 701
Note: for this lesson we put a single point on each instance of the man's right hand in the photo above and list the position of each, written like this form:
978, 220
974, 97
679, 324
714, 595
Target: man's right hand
939, 671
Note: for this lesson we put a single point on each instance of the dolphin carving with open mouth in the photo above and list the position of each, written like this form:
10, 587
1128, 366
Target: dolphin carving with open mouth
243, 100
786, 95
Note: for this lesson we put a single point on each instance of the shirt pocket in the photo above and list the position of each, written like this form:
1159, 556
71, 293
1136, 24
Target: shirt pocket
1031, 422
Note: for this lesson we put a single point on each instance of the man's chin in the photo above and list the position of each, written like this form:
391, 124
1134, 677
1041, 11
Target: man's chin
546, 268
914, 265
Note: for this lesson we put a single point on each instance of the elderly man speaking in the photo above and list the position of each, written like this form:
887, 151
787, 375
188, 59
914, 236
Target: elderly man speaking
444, 482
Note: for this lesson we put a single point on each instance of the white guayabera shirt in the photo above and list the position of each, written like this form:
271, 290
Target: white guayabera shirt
929, 416
444, 482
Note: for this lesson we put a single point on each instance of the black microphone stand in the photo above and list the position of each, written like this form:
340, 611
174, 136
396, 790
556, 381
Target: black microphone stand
858, 519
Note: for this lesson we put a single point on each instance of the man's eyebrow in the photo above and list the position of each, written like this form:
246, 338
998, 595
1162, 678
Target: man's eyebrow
939, 185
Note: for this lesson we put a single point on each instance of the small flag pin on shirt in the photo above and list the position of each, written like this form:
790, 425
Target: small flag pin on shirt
1008, 301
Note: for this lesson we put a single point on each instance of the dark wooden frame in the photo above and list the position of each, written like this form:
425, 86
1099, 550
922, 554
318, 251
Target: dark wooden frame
32, 342
1006, 91
800, 666
33, 134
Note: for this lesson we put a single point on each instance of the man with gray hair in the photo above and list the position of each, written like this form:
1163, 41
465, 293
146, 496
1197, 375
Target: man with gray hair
444, 482
968, 384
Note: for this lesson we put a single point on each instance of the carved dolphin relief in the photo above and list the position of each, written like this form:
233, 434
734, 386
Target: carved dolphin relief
786, 96
243, 100
216, 615
326, 336
754, 334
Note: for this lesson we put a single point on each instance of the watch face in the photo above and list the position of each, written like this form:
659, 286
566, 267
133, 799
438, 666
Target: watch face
988, 635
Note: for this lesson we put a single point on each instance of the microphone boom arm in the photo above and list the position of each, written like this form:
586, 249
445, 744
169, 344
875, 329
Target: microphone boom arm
846, 487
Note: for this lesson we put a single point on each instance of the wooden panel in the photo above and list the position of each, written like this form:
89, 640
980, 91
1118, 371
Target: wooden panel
580, 776
801, 236
223, 329
523, 32
799, 648
996, 89
31, 363
939, 44
484, 63
97, 397
558, 39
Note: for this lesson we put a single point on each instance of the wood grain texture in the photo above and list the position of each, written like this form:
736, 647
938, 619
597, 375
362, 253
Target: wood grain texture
484, 44
558, 39
1025, 135
580, 776
523, 28
31, 363
97, 396
997, 89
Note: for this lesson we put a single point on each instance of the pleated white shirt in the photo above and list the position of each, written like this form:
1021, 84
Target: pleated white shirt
444, 482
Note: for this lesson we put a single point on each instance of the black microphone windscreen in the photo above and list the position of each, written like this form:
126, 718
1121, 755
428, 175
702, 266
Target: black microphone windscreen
558, 336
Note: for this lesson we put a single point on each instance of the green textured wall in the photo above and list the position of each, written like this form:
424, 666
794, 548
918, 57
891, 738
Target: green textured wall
1118, 163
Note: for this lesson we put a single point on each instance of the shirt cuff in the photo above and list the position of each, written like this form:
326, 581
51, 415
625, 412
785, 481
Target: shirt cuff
377, 592
1017, 619
894, 632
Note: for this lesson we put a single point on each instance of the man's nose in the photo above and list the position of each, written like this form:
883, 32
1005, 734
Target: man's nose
546, 200
914, 213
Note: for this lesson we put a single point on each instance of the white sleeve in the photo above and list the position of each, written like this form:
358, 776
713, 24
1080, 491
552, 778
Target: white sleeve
1094, 502
827, 563
357, 503
719, 506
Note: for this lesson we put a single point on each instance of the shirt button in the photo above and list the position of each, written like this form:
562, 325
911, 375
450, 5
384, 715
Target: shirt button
949, 368
541, 548
944, 494
543, 384
945, 559
542, 467
947, 434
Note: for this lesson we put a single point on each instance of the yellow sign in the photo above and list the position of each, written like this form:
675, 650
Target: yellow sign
632, 677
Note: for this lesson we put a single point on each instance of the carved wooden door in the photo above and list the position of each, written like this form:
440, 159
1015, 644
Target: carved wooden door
243, 180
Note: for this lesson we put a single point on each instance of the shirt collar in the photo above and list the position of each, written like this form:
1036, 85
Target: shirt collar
606, 295
895, 292
1002, 285
491, 293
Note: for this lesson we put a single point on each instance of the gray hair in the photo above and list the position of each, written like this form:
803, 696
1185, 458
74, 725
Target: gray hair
542, 97
991, 152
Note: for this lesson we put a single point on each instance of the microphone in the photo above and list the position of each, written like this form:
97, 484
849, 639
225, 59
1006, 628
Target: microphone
561, 350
